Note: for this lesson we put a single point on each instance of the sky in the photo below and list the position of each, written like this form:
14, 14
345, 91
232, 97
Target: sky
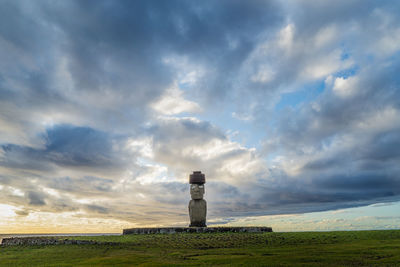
290, 108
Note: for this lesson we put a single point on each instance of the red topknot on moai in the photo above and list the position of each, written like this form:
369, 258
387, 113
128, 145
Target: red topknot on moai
197, 206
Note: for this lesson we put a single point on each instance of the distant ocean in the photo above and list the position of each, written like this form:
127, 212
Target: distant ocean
50, 235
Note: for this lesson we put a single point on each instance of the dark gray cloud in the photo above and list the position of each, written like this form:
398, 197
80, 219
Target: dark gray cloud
22, 213
78, 146
110, 56
35, 198
97, 209
66, 146
87, 185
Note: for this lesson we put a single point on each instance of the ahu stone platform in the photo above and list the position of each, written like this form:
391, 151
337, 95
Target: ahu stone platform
174, 230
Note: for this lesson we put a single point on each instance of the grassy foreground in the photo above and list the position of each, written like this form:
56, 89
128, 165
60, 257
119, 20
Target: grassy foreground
353, 248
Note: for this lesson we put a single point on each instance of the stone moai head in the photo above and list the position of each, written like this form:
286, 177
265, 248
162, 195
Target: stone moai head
197, 191
197, 181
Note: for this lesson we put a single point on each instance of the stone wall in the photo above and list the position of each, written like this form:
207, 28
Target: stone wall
39, 241
173, 230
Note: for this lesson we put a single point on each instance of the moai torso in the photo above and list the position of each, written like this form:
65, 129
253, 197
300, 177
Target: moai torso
197, 206
197, 212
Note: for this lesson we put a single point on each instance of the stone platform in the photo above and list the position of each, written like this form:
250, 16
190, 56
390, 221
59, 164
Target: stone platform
174, 230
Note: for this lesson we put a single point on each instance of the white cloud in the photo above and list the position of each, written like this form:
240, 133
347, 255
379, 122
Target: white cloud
345, 87
16, 191
326, 36
242, 117
322, 66
286, 38
6, 211
379, 121
187, 73
265, 74
172, 102
155, 173
143, 146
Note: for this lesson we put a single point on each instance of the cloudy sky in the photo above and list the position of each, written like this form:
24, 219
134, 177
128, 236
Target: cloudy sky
290, 108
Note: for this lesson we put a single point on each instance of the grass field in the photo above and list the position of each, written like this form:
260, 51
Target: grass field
353, 248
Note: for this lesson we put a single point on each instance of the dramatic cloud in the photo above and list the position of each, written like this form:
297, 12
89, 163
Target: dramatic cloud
107, 106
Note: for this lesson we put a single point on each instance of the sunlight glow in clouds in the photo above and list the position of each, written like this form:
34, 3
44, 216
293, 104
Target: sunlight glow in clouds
291, 109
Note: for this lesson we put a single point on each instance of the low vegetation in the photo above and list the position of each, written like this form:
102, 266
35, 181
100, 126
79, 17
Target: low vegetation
352, 248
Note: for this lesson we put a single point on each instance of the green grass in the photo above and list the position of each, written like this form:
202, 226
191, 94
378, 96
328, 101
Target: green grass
353, 248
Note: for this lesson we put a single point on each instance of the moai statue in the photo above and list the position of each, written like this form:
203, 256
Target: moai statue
197, 206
